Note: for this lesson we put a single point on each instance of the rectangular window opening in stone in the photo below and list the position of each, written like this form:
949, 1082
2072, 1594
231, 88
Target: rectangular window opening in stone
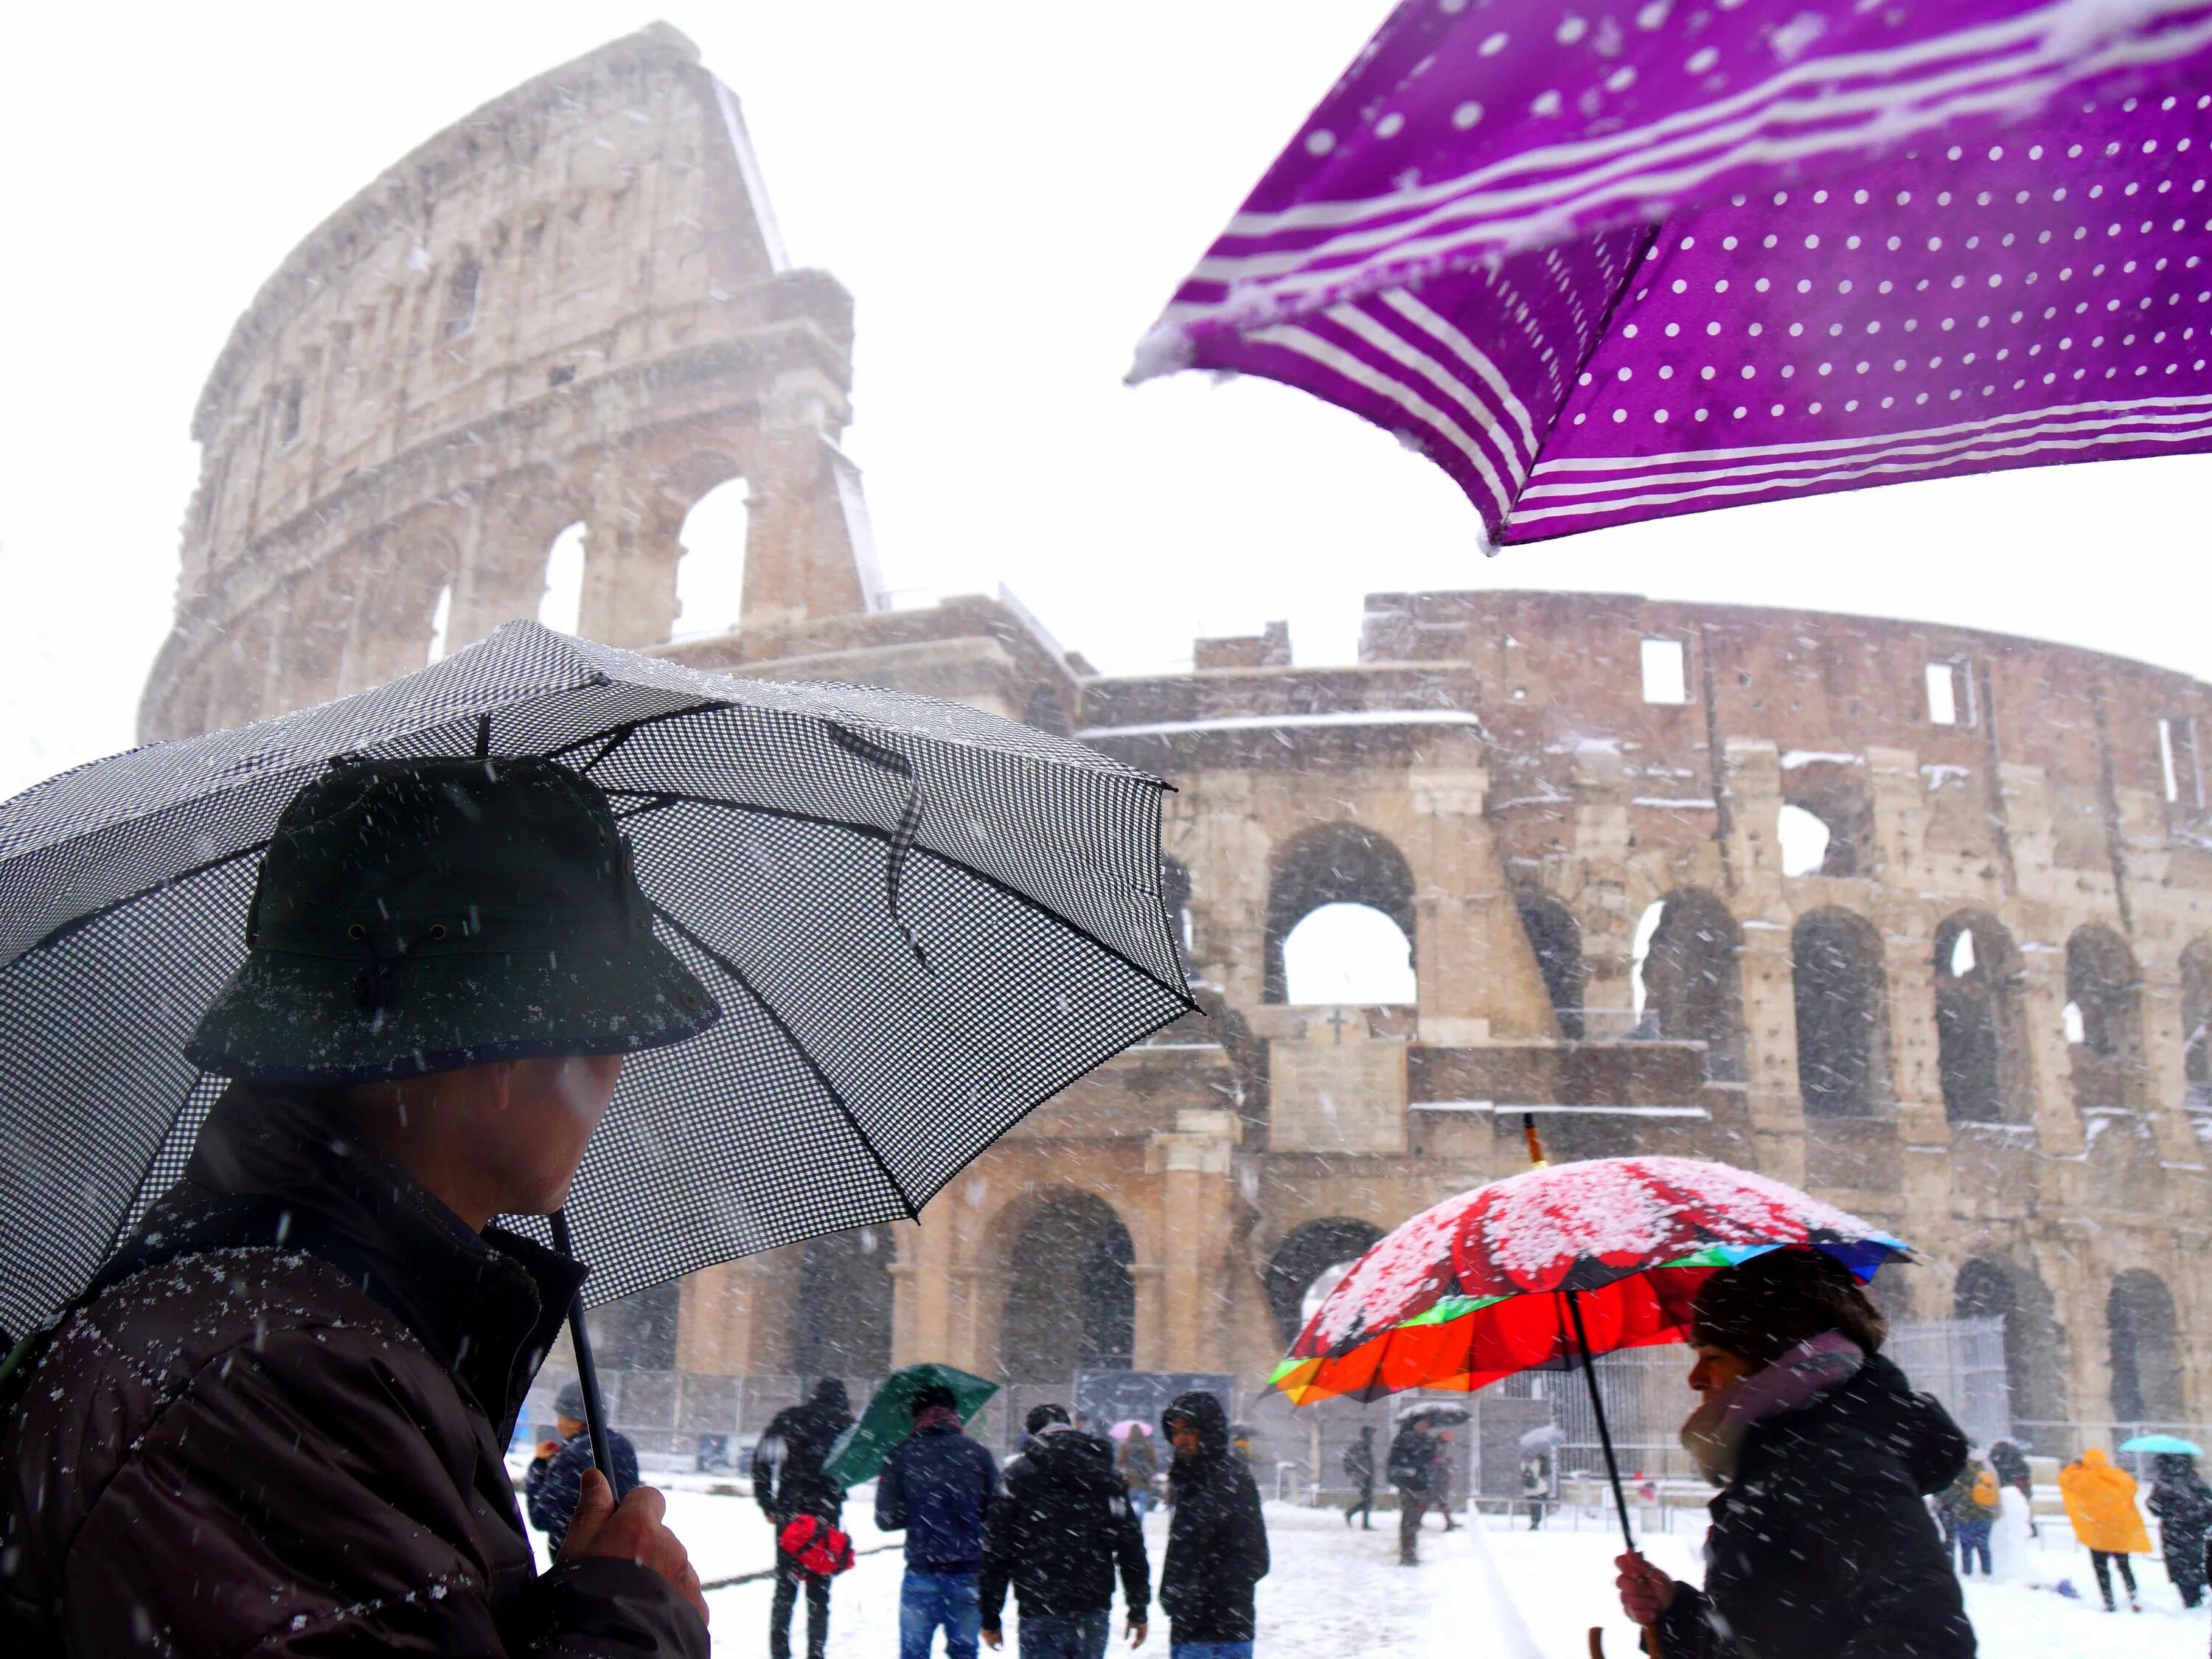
1666, 670
2178, 773
285, 417
463, 289
1950, 694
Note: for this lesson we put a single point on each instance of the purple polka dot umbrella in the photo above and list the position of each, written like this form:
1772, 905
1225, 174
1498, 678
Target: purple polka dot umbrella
1616, 262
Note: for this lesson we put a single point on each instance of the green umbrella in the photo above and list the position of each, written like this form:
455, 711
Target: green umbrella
884, 1427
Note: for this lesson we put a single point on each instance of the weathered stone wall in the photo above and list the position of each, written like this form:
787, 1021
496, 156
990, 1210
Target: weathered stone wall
571, 305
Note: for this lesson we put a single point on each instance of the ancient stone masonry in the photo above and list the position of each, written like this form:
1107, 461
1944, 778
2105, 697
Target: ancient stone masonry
573, 305
1917, 916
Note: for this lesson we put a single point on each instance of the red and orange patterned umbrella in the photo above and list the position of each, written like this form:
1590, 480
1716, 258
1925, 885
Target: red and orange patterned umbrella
1541, 1268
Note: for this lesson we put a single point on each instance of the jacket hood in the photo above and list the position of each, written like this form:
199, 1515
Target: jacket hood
1205, 1414
2094, 1458
1879, 1404
489, 1306
830, 1393
1060, 1447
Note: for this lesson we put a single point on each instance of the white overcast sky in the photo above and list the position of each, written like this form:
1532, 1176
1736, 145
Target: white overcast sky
1010, 191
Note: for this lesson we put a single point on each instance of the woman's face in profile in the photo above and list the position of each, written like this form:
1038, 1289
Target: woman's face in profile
1716, 1368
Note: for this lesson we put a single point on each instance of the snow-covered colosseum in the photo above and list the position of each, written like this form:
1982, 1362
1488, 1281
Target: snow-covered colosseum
1916, 916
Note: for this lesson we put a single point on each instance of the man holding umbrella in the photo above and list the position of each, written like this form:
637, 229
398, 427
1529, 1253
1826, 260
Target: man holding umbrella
309, 1356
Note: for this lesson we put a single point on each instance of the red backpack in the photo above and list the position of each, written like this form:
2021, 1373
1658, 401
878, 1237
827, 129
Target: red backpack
817, 1548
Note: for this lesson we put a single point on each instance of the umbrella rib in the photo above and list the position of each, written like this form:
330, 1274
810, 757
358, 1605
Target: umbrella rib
879, 833
822, 1078
62, 930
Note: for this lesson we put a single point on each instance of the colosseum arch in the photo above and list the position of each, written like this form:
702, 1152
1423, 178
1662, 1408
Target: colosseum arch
1305, 1256
2104, 1019
479, 319
1333, 864
1071, 1299
2035, 1359
2144, 1349
1691, 983
1842, 1000
841, 1316
1981, 1034
1556, 940
2197, 1025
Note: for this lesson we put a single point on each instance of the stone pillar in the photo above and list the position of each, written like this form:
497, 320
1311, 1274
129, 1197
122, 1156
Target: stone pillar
1198, 1200
630, 554
502, 571
1478, 974
714, 1320
922, 1286
799, 558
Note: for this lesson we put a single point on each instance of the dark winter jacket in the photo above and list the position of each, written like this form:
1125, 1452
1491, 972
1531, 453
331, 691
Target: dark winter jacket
551, 1485
255, 1450
2183, 1504
936, 1487
787, 1477
1217, 1540
1413, 1459
1057, 1530
1820, 1547
1359, 1463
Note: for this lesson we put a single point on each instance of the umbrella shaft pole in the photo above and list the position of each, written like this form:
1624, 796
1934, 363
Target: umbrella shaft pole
1597, 1409
587, 1373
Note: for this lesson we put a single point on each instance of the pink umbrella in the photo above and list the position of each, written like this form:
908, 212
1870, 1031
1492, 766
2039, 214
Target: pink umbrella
1621, 262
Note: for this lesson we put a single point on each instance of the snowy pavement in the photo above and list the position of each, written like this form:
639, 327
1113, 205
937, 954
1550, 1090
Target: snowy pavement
1336, 1593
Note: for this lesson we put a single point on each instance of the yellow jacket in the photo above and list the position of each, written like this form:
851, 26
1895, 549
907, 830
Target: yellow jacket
2100, 1501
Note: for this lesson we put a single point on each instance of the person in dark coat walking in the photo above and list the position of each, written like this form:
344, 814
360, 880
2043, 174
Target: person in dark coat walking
555, 1475
1821, 1546
1217, 1538
1359, 1469
1413, 1472
310, 1357
935, 1487
1060, 1527
788, 1482
2183, 1504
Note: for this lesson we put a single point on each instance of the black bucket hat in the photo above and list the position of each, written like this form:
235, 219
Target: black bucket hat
419, 915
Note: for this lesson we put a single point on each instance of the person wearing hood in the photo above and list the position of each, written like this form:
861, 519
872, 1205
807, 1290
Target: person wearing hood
2100, 1501
1359, 1469
310, 1356
1820, 1545
1217, 1539
1414, 1454
935, 1488
2183, 1504
788, 1482
1057, 1532
555, 1476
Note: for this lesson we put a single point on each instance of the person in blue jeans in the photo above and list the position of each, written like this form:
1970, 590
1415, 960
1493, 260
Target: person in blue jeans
935, 1488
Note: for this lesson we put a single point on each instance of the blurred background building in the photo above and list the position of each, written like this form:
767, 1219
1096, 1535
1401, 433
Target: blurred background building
1918, 917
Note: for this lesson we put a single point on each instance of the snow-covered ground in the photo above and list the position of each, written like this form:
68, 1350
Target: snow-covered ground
1336, 1592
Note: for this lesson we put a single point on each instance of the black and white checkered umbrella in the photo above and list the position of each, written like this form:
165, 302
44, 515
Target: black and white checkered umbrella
921, 920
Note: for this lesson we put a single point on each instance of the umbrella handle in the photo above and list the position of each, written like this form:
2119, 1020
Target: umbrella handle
587, 1372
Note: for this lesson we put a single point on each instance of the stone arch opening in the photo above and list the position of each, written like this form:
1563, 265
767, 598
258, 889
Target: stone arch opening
2034, 1365
1687, 978
1071, 1299
2197, 1025
561, 606
1981, 1048
841, 1320
2104, 1019
1348, 953
710, 565
1175, 904
1825, 820
1303, 1260
1556, 940
1337, 864
2145, 1348
1841, 994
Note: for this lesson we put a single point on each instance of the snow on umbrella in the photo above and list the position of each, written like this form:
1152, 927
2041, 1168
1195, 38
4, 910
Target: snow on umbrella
1549, 1268
921, 921
1611, 269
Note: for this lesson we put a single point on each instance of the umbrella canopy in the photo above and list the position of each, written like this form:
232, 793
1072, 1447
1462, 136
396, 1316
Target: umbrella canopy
1127, 1426
1478, 1287
1690, 257
1538, 1441
2172, 1444
921, 921
882, 1428
1436, 1416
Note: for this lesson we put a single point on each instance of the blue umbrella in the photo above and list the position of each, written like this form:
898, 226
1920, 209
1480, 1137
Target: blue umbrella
2163, 1442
